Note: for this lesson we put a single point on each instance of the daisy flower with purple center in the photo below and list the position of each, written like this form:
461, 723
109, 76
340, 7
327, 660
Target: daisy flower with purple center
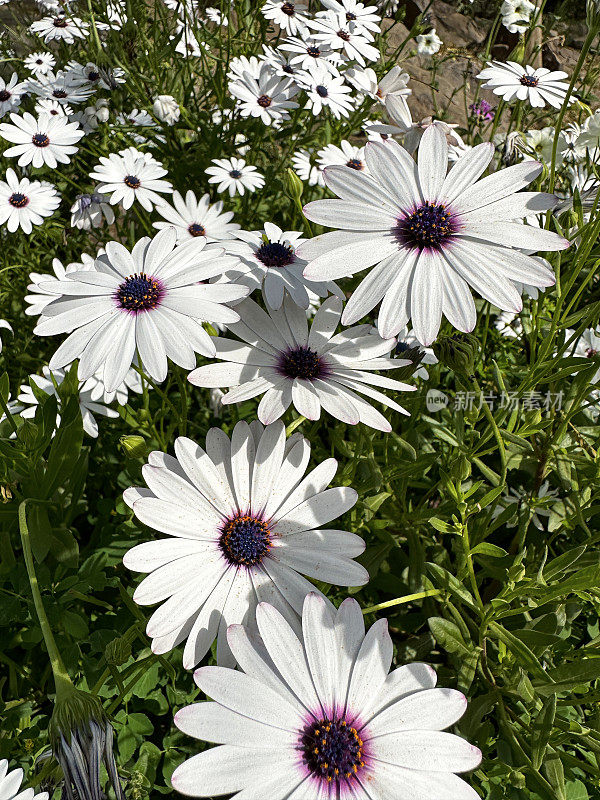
129, 176
268, 261
149, 302
514, 82
280, 358
316, 714
290, 17
25, 203
192, 218
336, 31
11, 94
244, 524
49, 140
427, 237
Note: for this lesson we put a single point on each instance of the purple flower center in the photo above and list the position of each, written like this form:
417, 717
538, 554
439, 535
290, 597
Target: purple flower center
132, 181
245, 540
18, 200
264, 101
59, 22
4, 95
93, 76
355, 163
288, 8
235, 174
332, 749
529, 80
321, 90
140, 292
60, 94
302, 362
344, 35
350, 16
313, 51
275, 254
40, 140
591, 353
429, 226
195, 229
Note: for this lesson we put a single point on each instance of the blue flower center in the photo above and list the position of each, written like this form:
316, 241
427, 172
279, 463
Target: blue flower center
4, 95
275, 254
321, 91
302, 362
355, 163
430, 226
245, 540
333, 749
139, 293
60, 94
18, 200
132, 181
40, 140
313, 51
235, 174
195, 229
529, 80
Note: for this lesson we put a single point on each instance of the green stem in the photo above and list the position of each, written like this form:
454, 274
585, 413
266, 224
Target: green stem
62, 680
9, 416
408, 598
497, 435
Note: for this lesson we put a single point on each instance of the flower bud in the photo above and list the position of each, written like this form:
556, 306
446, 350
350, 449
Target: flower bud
134, 446
293, 185
457, 351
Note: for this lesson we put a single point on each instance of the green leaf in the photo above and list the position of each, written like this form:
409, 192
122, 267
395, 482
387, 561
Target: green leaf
575, 790
488, 549
567, 676
448, 636
442, 579
65, 449
541, 731
555, 773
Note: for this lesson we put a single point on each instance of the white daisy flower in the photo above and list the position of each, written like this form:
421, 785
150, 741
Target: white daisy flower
278, 62
268, 261
509, 324
91, 211
326, 90
513, 82
233, 175
516, 15
428, 44
267, 97
346, 154
367, 83
307, 52
129, 176
11, 94
39, 63
63, 86
240, 65
187, 44
540, 143
365, 17
25, 203
337, 32
289, 364
46, 140
430, 236
192, 218
60, 28
46, 383
39, 298
307, 171
47, 105
243, 525
166, 108
148, 301
10, 783
290, 17
216, 16
315, 714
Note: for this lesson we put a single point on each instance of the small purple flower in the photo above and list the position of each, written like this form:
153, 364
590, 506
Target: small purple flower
482, 111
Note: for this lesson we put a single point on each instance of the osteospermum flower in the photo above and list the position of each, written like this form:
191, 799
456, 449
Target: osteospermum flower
131, 175
268, 261
60, 28
315, 715
428, 44
514, 82
326, 90
281, 359
10, 783
363, 16
10, 94
335, 30
192, 218
39, 298
430, 236
25, 203
148, 302
39, 63
64, 87
291, 17
46, 140
234, 176
243, 525
350, 155
366, 81
90, 211
267, 97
